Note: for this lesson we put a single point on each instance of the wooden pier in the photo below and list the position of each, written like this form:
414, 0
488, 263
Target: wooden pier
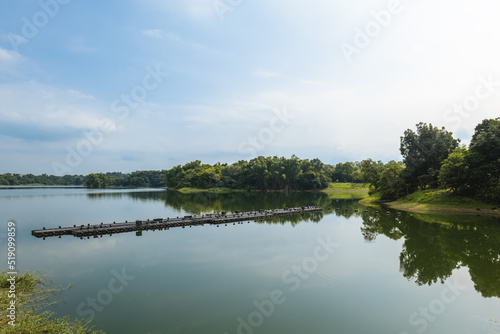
164, 224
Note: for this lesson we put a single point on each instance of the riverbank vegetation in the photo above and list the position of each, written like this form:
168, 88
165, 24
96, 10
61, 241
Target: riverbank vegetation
432, 159
33, 293
436, 168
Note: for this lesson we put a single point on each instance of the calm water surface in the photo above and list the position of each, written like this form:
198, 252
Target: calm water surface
339, 271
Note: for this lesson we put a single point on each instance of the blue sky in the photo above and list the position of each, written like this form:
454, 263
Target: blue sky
96, 86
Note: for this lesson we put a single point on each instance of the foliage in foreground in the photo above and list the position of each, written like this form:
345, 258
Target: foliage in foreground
33, 293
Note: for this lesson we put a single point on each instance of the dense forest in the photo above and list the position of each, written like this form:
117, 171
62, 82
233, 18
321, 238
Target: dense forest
432, 158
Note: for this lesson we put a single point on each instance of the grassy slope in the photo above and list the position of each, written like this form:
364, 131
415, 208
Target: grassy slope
436, 200
32, 296
211, 190
337, 187
338, 190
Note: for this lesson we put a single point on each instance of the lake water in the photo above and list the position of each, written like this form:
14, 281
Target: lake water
337, 271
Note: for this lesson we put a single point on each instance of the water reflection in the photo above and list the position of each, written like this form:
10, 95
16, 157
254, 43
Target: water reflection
433, 247
204, 202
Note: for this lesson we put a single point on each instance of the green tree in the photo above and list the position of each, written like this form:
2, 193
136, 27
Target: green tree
371, 170
454, 170
484, 160
261, 173
391, 184
423, 154
347, 172
98, 181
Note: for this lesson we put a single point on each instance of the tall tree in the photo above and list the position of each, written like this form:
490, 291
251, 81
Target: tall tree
484, 160
391, 184
423, 153
454, 170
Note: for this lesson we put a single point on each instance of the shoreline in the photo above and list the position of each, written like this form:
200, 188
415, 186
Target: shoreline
429, 208
426, 201
437, 201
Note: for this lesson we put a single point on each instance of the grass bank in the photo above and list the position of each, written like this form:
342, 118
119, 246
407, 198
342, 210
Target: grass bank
209, 190
337, 190
360, 188
33, 294
438, 200
346, 190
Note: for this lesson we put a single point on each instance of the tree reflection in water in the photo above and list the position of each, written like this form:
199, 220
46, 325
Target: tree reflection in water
434, 245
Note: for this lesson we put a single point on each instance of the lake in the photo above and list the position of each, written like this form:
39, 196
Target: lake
339, 271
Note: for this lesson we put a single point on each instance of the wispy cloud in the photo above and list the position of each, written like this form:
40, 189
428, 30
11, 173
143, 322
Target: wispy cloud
156, 33
267, 74
194, 9
9, 56
32, 105
9, 60
80, 45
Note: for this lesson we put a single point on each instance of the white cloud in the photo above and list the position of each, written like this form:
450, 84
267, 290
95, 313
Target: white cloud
10, 60
80, 95
194, 9
266, 74
8, 56
157, 33
31, 103
80, 45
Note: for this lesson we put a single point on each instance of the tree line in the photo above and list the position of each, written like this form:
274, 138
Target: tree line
432, 158
261, 173
138, 179
9, 179
92, 180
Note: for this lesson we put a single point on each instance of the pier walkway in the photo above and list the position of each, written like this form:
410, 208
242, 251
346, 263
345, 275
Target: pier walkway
165, 224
